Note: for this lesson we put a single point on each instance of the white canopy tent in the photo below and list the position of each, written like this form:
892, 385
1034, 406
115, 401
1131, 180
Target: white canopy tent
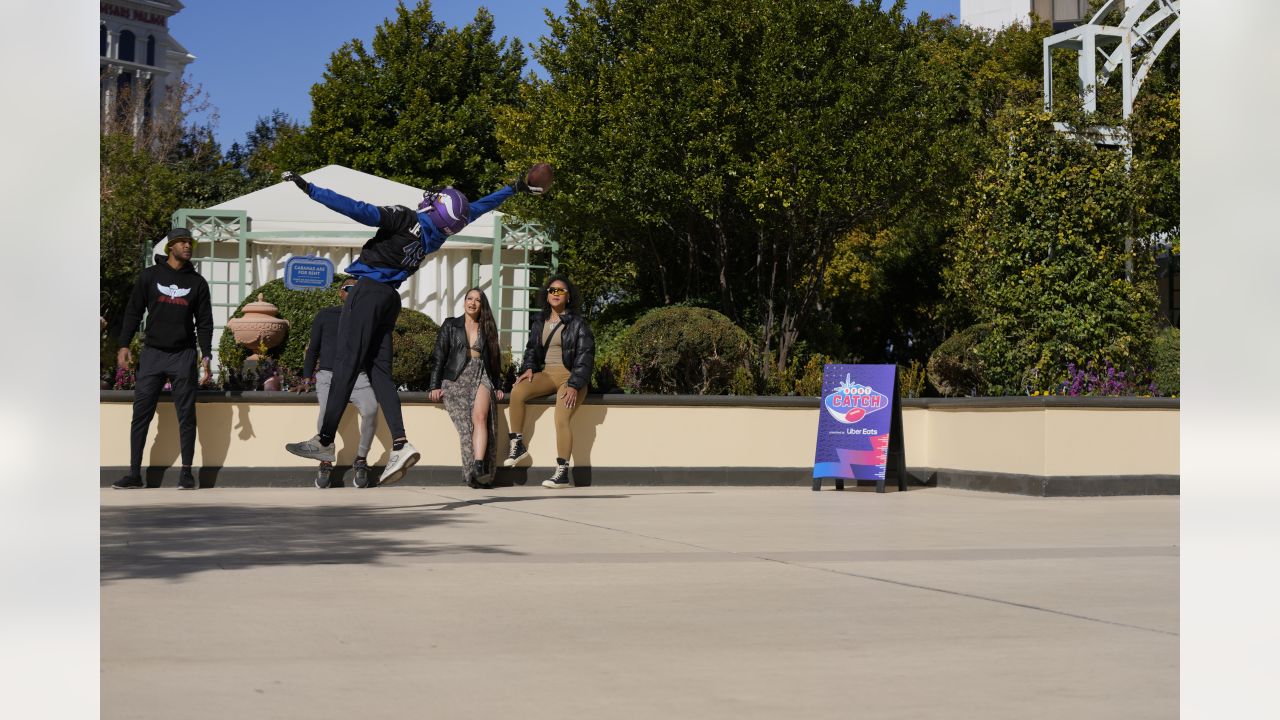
254, 235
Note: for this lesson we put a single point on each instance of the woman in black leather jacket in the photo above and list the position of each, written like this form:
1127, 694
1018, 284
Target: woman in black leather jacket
466, 375
558, 358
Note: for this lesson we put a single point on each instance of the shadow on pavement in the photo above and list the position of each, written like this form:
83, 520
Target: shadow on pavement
172, 541
457, 504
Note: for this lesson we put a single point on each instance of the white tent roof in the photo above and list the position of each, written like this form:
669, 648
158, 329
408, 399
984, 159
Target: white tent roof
282, 208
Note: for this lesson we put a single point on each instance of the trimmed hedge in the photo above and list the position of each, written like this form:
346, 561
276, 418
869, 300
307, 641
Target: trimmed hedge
412, 343
1166, 368
689, 350
954, 367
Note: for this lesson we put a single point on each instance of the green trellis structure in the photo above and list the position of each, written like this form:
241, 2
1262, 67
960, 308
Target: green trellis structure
222, 252
539, 256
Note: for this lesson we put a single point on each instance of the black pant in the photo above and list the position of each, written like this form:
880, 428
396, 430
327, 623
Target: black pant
154, 368
364, 343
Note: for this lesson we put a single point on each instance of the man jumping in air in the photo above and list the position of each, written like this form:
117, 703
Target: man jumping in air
403, 241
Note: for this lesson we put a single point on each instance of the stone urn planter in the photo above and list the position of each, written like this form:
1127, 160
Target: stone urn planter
259, 326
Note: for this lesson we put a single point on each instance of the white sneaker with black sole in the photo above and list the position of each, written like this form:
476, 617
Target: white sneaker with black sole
399, 463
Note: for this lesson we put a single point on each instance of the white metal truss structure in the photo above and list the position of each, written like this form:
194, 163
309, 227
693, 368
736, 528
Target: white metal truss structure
1131, 47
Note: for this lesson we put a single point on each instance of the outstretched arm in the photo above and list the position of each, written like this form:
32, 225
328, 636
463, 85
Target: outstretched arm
491, 201
361, 212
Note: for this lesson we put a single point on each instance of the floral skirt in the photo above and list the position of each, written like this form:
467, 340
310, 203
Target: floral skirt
459, 397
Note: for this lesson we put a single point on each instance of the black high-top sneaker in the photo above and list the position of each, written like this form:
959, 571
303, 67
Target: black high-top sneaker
518, 455
186, 481
561, 479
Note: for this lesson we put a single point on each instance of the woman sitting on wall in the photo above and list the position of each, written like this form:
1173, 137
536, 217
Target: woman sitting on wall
467, 376
558, 358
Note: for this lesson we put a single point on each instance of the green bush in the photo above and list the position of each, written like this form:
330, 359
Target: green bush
608, 362
955, 367
683, 350
414, 331
412, 343
1166, 369
1040, 255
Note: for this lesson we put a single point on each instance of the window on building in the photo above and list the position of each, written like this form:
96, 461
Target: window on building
1072, 11
122, 101
146, 102
102, 40
1043, 9
125, 51
151, 49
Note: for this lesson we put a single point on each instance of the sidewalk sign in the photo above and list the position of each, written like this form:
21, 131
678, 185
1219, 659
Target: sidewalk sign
860, 426
308, 273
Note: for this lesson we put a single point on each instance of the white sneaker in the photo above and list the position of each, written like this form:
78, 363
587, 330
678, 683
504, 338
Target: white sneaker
399, 463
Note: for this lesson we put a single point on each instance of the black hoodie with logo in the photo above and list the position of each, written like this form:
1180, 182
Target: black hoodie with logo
177, 305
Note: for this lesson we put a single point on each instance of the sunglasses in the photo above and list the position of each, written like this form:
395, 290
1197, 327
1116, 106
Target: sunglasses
345, 288
556, 291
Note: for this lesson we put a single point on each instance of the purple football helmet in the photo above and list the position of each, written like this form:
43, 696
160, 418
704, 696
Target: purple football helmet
448, 209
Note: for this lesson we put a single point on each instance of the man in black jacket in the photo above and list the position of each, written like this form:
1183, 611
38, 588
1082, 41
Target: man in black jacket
179, 315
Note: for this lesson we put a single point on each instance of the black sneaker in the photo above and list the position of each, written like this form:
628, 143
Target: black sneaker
186, 481
360, 470
322, 475
484, 473
476, 480
128, 482
560, 479
519, 453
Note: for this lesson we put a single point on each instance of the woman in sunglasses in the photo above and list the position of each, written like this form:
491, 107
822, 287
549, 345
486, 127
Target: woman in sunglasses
559, 358
468, 378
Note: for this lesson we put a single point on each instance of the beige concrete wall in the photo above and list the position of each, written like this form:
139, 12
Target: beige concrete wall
1041, 441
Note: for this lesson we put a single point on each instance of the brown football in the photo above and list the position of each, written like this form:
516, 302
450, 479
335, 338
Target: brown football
540, 175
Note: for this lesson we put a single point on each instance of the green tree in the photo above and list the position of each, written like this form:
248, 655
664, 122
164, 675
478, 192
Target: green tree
275, 144
418, 106
1042, 259
718, 151
882, 296
147, 170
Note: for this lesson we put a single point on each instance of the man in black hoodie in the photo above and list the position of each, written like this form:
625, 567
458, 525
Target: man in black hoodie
176, 299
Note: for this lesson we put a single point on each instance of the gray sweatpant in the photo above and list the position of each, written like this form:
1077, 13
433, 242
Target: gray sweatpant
362, 397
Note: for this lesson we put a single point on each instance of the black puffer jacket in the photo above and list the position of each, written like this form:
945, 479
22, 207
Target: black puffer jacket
451, 354
577, 349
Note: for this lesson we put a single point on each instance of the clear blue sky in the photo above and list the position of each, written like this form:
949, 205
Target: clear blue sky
253, 57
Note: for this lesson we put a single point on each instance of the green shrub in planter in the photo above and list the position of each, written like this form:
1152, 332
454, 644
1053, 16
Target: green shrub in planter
411, 364
1166, 368
954, 368
683, 350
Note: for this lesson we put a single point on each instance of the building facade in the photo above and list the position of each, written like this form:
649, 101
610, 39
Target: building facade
140, 63
997, 14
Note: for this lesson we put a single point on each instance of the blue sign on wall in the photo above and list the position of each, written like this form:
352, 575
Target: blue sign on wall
308, 273
856, 424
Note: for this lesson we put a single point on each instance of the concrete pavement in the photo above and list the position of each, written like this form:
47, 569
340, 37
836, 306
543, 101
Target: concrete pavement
637, 602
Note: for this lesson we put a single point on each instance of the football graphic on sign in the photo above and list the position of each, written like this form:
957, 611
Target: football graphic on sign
851, 402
